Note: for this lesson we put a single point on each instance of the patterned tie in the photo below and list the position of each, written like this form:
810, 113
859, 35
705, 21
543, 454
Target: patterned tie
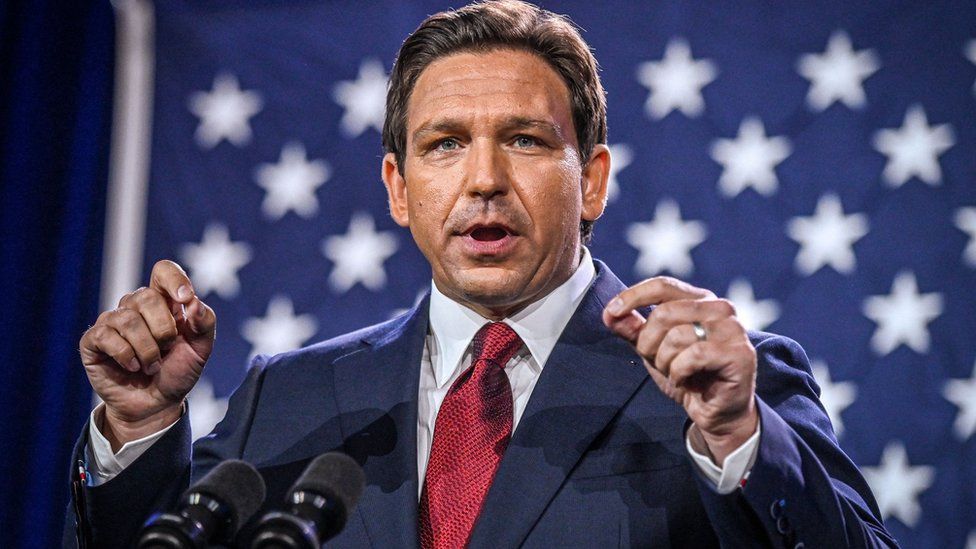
472, 431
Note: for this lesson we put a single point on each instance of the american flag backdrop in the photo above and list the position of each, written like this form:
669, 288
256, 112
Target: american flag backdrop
814, 162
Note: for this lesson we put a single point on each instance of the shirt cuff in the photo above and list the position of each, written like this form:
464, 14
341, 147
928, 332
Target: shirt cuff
737, 465
103, 465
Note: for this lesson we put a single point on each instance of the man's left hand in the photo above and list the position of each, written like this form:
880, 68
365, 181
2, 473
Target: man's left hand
697, 352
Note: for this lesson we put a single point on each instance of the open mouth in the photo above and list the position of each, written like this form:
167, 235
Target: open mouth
489, 240
488, 234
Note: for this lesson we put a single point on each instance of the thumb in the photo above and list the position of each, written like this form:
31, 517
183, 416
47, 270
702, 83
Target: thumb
627, 326
200, 323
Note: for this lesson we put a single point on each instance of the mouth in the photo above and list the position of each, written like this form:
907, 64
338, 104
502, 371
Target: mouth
488, 233
488, 239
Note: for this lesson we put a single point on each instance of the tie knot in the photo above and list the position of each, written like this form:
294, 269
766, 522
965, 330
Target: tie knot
496, 342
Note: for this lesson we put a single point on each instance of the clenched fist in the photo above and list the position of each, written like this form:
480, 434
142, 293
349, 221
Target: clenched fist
144, 356
698, 354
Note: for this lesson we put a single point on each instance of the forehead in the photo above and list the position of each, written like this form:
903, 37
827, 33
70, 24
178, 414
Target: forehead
484, 85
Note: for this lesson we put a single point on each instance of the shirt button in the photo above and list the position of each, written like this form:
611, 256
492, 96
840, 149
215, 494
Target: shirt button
776, 509
783, 526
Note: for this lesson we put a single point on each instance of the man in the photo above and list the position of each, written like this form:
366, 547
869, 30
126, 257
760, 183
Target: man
531, 399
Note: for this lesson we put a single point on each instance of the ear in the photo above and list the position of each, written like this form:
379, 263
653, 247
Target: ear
596, 173
396, 191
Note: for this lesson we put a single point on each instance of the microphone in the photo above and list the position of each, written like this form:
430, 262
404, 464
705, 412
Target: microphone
211, 511
319, 502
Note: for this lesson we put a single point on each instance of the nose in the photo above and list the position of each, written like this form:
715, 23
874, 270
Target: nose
486, 172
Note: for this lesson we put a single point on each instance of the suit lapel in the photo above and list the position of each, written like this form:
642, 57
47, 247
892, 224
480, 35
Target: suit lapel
589, 376
376, 392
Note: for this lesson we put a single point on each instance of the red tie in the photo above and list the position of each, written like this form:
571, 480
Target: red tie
472, 431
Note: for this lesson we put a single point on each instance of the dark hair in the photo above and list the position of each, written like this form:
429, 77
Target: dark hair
484, 26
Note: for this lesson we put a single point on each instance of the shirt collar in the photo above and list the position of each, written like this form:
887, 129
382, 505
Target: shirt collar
539, 324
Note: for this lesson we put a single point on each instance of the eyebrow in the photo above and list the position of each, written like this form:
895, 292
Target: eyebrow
451, 125
519, 122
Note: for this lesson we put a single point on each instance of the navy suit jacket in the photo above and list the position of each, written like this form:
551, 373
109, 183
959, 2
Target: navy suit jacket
598, 458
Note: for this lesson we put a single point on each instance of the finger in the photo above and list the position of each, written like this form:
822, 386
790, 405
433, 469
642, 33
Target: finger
652, 291
102, 341
682, 336
200, 318
666, 316
131, 326
708, 357
90, 343
675, 341
156, 312
627, 327
170, 279
665, 384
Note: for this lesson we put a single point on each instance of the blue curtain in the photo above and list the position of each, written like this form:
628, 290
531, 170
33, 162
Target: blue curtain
55, 111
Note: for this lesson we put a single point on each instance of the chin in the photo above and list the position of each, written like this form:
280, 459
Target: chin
490, 287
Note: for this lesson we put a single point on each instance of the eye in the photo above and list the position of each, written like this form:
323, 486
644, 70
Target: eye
449, 144
525, 141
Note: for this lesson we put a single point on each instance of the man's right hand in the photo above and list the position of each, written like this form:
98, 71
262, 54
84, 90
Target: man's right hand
143, 357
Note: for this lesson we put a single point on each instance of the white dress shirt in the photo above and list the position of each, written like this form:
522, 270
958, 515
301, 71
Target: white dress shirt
447, 353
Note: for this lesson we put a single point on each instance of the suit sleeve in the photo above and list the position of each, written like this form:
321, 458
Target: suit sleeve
803, 490
110, 515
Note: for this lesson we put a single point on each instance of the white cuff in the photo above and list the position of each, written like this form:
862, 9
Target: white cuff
103, 464
737, 465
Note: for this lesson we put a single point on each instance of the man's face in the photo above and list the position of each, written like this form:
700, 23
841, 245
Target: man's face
493, 187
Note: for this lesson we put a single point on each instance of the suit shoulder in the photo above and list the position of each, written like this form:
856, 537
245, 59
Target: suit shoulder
757, 338
768, 340
779, 349
326, 351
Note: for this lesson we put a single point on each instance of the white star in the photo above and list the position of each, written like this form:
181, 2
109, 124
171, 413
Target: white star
224, 112
971, 542
214, 262
749, 159
962, 393
206, 409
665, 243
359, 254
902, 316
835, 397
965, 220
280, 330
676, 81
897, 485
363, 99
752, 313
914, 149
838, 73
971, 55
827, 237
621, 156
291, 183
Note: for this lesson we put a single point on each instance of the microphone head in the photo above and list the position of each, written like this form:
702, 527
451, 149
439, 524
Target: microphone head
335, 475
238, 485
